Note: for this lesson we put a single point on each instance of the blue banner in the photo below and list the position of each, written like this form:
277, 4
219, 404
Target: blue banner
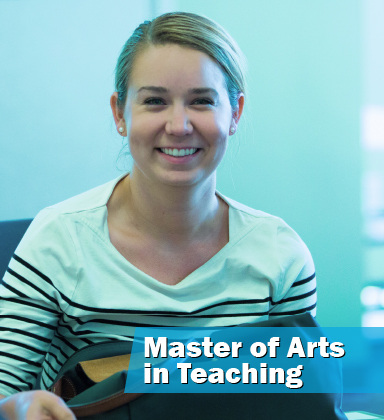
257, 360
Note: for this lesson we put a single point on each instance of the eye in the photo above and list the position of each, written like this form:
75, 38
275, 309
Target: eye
203, 101
154, 101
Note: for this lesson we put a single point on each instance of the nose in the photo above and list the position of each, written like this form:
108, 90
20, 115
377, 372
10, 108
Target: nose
178, 123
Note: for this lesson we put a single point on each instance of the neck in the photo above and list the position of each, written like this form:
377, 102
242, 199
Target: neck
177, 213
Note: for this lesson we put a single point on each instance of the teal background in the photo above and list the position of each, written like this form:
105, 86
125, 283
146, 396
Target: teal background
297, 153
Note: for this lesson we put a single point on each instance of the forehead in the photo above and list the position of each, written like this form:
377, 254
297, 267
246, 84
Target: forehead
175, 67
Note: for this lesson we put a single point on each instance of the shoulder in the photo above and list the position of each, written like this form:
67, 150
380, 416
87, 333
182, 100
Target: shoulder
56, 219
53, 242
58, 227
272, 231
270, 242
88, 200
242, 208
247, 218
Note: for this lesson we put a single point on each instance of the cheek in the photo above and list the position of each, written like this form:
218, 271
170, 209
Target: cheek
221, 128
144, 130
223, 118
215, 124
217, 133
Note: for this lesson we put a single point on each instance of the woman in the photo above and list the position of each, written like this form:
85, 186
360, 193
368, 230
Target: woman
159, 246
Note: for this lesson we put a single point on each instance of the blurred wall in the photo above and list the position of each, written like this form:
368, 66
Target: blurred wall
57, 135
296, 155
373, 162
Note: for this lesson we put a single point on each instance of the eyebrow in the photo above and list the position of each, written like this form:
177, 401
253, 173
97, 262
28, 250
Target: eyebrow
200, 91
157, 89
196, 91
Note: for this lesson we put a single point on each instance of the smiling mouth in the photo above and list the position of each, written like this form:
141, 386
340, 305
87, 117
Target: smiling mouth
178, 152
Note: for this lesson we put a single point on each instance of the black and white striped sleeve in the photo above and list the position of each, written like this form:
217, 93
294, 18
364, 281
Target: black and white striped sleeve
296, 291
31, 303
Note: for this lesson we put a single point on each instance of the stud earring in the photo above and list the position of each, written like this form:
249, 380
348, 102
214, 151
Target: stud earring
121, 129
232, 130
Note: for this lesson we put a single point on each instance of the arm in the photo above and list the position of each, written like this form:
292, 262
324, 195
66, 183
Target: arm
296, 290
300, 298
30, 308
31, 304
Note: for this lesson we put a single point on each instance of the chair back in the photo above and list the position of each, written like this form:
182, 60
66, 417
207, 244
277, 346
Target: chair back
11, 232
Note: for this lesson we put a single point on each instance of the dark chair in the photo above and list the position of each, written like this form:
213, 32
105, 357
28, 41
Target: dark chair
11, 232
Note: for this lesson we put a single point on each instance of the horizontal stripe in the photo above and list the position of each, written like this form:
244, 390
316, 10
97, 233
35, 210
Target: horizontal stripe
75, 333
53, 355
64, 340
28, 320
16, 388
30, 284
30, 267
294, 312
300, 282
26, 333
12, 289
135, 312
60, 350
21, 359
44, 382
31, 304
151, 312
168, 313
218, 316
49, 377
293, 298
47, 374
16, 377
25, 346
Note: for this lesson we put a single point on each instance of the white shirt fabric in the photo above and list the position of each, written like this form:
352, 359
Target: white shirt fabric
67, 286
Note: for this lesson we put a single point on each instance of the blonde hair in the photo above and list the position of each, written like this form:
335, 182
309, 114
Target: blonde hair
189, 30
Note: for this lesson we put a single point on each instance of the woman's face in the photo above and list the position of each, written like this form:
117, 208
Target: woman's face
178, 116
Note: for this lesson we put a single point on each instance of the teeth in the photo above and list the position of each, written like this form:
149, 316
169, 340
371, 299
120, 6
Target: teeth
178, 152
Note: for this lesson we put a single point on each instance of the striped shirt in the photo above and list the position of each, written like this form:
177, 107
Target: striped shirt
67, 286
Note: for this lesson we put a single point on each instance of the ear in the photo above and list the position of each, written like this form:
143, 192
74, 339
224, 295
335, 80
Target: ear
118, 115
237, 114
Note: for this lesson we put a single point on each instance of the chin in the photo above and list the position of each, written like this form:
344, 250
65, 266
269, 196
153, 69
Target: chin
179, 182
184, 179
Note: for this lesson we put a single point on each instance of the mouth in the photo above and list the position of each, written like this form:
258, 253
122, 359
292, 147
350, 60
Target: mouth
178, 152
